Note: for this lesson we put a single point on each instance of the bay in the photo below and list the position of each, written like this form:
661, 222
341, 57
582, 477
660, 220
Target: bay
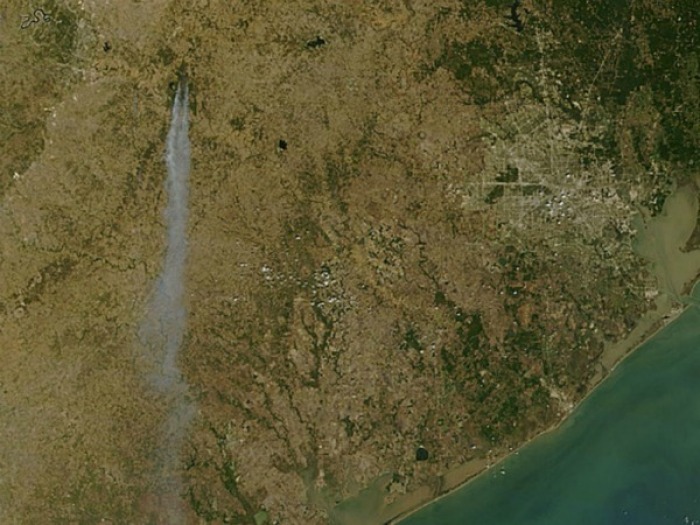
630, 453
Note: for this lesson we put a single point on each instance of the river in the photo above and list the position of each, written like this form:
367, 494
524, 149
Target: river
629, 453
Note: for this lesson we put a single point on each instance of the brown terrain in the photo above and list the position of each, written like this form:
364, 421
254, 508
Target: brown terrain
411, 225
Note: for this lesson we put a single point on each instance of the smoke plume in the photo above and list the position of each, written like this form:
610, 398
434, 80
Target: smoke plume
163, 329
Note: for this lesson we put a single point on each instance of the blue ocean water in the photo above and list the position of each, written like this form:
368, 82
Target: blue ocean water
630, 454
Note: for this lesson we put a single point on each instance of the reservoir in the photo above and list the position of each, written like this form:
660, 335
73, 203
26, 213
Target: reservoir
630, 453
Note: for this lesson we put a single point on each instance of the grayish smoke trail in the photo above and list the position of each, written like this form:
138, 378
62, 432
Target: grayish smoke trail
163, 329
167, 313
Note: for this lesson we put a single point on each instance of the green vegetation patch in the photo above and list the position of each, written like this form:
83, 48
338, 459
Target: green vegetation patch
57, 37
495, 194
411, 340
509, 175
474, 63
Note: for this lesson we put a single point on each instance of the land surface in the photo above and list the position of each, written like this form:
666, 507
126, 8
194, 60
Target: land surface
411, 225
662, 242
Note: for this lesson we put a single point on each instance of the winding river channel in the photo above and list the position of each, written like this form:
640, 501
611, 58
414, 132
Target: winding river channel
629, 453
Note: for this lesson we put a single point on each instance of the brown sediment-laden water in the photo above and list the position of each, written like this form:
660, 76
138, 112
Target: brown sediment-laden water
628, 453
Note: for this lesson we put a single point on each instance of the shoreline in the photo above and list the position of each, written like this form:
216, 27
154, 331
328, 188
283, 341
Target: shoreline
677, 279
648, 327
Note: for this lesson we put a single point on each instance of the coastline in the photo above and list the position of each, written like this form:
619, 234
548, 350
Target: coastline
649, 326
677, 278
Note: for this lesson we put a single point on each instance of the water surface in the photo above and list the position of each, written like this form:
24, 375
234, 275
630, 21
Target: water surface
629, 454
